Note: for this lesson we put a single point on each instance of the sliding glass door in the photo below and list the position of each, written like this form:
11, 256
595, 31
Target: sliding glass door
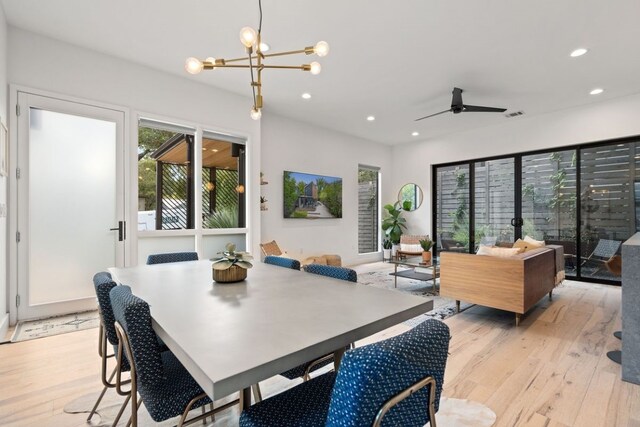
584, 198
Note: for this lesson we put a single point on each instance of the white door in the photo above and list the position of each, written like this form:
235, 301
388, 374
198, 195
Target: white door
70, 203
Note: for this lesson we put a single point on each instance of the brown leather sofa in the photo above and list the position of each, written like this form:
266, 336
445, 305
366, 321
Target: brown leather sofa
513, 284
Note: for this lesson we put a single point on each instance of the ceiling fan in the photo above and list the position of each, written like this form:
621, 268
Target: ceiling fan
458, 107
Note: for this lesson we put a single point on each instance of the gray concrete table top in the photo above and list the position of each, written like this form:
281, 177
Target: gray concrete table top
230, 336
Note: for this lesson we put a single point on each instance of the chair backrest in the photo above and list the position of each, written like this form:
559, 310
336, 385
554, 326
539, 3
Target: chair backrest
412, 239
133, 314
293, 264
341, 273
172, 257
103, 283
371, 375
606, 248
270, 248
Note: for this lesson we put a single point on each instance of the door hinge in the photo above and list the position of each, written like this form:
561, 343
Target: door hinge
17, 173
17, 237
17, 110
17, 300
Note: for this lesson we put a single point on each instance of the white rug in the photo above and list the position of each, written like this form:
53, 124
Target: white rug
33, 329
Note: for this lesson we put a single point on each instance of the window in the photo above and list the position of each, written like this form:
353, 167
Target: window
368, 218
165, 176
166, 180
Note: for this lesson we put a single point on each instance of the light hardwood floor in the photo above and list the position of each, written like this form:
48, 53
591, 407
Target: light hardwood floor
550, 371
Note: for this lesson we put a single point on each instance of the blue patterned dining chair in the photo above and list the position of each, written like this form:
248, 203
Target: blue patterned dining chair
293, 264
395, 382
172, 257
341, 273
103, 283
165, 386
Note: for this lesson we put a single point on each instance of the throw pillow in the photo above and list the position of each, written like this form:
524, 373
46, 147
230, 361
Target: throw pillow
499, 252
525, 246
532, 240
405, 247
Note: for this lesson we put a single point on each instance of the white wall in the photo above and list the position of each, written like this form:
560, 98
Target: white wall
609, 119
4, 309
299, 147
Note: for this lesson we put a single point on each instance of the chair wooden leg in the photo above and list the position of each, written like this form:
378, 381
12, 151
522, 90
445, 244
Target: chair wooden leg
551, 295
518, 318
457, 306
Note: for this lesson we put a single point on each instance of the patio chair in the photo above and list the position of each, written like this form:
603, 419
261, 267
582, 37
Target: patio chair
604, 251
397, 382
271, 249
172, 257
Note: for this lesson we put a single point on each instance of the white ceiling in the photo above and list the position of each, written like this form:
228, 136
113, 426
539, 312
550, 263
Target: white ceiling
395, 59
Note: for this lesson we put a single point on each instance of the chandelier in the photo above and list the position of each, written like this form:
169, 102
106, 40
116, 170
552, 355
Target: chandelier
254, 61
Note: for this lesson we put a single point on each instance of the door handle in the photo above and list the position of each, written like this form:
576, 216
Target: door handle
121, 230
513, 222
517, 222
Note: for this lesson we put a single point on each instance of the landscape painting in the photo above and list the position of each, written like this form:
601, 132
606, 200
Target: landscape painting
312, 196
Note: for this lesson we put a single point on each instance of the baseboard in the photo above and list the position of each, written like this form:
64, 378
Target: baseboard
4, 326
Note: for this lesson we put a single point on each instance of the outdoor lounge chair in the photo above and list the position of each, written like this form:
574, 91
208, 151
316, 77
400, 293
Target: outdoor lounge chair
604, 251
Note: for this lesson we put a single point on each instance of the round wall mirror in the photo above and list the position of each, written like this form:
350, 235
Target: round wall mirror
410, 197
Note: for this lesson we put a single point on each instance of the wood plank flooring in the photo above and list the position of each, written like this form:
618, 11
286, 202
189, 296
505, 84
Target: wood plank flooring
550, 371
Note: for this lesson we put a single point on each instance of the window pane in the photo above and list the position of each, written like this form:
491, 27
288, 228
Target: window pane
222, 184
165, 190
452, 222
494, 194
549, 201
368, 224
607, 207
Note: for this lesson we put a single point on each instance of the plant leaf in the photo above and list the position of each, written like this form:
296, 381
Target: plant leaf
222, 264
244, 264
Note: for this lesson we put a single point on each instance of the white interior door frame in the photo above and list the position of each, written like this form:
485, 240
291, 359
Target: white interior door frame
17, 212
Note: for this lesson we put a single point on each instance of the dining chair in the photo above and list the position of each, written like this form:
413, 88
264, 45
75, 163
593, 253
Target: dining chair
172, 257
293, 264
395, 382
165, 386
103, 283
341, 273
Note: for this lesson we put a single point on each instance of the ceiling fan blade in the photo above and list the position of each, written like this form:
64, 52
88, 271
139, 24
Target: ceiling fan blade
431, 115
479, 109
456, 101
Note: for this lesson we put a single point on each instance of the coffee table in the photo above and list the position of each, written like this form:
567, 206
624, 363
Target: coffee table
411, 273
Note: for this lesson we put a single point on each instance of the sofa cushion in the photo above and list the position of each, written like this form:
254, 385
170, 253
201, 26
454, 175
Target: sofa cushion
406, 247
526, 245
530, 239
499, 252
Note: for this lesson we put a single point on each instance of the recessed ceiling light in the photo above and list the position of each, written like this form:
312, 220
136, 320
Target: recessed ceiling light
214, 150
578, 52
306, 95
370, 118
596, 91
415, 134
264, 47
204, 149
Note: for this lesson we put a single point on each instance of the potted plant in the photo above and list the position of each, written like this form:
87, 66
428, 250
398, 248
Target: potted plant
386, 249
231, 266
426, 249
263, 203
393, 224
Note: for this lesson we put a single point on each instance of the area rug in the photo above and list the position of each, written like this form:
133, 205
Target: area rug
33, 329
377, 275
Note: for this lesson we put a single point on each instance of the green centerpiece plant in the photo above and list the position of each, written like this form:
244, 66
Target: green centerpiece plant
426, 244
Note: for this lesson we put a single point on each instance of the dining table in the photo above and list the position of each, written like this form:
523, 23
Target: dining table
231, 336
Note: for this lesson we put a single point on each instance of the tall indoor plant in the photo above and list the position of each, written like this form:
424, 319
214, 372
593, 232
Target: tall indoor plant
393, 224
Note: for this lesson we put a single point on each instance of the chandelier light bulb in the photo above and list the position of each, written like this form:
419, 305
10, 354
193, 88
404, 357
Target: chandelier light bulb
248, 36
321, 48
256, 113
315, 68
264, 47
193, 65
